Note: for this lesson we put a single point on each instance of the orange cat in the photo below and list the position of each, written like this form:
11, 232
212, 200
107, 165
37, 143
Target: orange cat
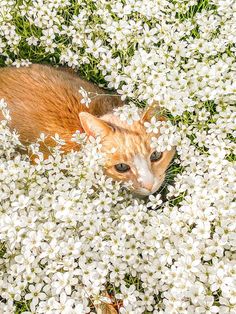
46, 99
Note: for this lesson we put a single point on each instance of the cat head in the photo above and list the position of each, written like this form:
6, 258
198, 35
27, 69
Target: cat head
129, 156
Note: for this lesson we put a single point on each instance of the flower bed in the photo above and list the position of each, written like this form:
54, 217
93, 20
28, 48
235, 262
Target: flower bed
71, 240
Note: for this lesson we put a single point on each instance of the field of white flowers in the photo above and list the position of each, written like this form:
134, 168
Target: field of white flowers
71, 240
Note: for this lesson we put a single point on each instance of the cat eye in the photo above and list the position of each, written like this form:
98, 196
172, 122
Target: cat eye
155, 156
122, 167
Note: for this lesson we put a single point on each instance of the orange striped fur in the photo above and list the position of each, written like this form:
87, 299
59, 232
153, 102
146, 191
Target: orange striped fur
46, 99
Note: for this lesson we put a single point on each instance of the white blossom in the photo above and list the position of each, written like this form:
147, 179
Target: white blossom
67, 232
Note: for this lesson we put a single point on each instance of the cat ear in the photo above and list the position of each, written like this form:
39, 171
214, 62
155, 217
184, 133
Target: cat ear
94, 126
151, 111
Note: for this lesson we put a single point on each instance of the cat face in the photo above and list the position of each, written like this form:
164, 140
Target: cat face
132, 159
129, 156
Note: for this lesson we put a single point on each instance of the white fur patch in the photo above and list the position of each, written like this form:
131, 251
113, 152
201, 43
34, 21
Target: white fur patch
146, 178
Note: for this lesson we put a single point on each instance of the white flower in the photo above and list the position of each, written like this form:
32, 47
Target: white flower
153, 125
85, 100
127, 295
79, 137
35, 295
128, 113
155, 201
32, 41
95, 48
22, 202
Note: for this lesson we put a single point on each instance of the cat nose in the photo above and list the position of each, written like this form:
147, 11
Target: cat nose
148, 186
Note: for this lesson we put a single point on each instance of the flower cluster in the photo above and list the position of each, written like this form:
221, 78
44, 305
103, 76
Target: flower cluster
72, 240
128, 113
68, 233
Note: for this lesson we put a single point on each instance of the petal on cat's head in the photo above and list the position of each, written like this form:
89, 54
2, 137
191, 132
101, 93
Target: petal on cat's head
94, 126
151, 111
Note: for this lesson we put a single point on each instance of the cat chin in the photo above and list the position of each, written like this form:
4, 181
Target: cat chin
141, 193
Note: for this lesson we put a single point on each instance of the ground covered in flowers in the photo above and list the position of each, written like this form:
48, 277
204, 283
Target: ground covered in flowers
71, 240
